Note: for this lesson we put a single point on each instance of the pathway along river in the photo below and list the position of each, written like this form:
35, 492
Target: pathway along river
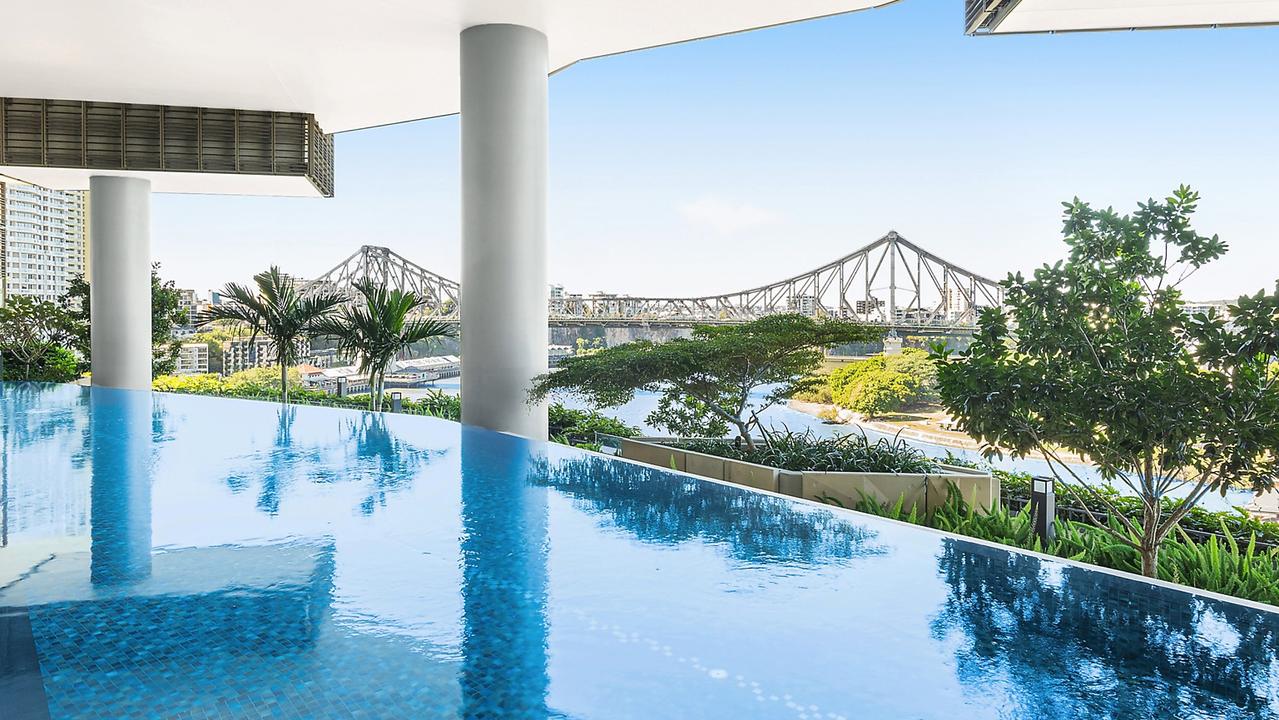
782, 417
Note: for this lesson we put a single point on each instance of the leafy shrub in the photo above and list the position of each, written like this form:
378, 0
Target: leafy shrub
829, 414
884, 383
1237, 523
578, 427
1220, 565
807, 452
878, 392
819, 393
571, 427
55, 365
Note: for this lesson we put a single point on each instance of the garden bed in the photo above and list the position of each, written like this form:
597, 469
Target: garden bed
918, 483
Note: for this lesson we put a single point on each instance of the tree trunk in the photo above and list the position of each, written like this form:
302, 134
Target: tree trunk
1150, 540
1150, 558
744, 432
284, 383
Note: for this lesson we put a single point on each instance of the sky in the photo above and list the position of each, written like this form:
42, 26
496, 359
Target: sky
728, 163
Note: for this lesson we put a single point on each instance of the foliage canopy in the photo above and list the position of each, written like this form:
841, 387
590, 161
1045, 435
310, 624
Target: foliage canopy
278, 310
1095, 355
165, 317
377, 328
721, 377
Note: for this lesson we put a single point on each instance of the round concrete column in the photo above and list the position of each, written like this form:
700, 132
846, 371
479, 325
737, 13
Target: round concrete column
120, 281
504, 174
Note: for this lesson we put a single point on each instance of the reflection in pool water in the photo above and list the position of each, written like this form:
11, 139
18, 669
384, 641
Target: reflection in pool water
194, 557
781, 417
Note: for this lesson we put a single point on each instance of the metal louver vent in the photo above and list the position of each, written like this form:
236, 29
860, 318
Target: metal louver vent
983, 16
124, 136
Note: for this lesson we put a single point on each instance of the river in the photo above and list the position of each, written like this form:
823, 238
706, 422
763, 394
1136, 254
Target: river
782, 417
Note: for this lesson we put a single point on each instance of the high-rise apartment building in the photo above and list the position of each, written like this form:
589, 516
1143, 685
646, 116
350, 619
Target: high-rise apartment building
43, 240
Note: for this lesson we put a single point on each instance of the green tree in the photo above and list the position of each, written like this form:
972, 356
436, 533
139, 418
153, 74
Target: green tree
885, 383
710, 379
277, 310
165, 317
1095, 355
32, 335
377, 328
878, 391
588, 347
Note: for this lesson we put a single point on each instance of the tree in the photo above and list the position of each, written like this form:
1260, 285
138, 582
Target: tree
32, 335
588, 347
885, 383
277, 310
165, 317
1095, 355
878, 391
711, 379
377, 328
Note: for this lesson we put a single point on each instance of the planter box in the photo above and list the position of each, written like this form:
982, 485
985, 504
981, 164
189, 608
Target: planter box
924, 492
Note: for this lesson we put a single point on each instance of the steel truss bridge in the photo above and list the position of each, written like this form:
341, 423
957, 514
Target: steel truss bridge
890, 282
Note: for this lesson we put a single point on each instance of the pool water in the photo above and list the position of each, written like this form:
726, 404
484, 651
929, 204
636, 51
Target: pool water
188, 557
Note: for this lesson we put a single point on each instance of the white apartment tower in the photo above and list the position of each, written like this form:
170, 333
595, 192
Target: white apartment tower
43, 240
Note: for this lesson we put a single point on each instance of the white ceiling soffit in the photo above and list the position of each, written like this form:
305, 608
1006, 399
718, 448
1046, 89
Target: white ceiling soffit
352, 64
1081, 15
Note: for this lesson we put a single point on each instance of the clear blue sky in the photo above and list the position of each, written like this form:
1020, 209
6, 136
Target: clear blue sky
730, 162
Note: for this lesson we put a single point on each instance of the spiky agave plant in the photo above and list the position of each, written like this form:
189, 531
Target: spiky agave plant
377, 327
278, 310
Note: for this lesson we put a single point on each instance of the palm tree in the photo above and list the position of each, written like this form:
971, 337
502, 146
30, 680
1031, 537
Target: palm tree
279, 311
378, 329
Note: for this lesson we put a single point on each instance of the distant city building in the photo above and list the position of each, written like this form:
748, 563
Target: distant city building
324, 358
803, 304
193, 359
188, 304
443, 366
43, 240
1203, 307
344, 380
868, 307
957, 303
556, 353
606, 304
556, 297
244, 354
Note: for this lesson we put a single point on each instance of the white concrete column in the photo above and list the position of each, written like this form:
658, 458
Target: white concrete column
504, 175
120, 281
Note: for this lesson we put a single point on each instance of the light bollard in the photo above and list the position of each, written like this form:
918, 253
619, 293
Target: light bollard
1043, 508
397, 402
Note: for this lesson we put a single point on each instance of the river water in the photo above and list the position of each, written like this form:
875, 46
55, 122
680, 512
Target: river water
781, 417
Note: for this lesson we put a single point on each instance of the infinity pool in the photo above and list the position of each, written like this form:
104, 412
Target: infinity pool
166, 556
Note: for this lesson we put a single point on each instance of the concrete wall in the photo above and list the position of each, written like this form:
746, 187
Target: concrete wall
924, 493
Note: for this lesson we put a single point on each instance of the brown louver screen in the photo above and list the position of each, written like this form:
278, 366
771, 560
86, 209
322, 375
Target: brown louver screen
123, 136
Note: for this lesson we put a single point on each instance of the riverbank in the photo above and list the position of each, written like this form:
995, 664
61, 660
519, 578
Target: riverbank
907, 428
921, 426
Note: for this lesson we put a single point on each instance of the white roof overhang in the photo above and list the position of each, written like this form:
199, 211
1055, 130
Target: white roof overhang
351, 64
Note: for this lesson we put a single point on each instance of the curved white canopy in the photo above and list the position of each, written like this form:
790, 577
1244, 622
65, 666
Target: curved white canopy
352, 64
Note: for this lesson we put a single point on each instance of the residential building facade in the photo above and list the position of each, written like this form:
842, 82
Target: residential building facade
43, 240
245, 353
193, 359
